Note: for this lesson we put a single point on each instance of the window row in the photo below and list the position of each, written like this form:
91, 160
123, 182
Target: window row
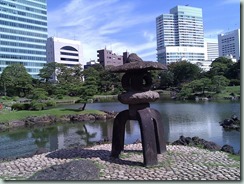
14, 5
20, 7
69, 54
25, 45
23, 39
33, 58
22, 19
14, 31
68, 59
21, 51
24, 26
23, 63
31, 4
31, 15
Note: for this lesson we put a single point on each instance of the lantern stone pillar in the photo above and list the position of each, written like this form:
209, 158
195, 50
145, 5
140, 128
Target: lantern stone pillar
137, 82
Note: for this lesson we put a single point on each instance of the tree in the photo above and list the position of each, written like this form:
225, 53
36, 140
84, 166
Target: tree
233, 73
46, 73
109, 83
184, 72
220, 66
219, 83
166, 79
39, 94
200, 85
15, 80
185, 92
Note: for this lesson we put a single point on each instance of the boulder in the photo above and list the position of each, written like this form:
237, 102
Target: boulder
16, 124
82, 117
39, 120
3, 127
196, 141
228, 149
231, 124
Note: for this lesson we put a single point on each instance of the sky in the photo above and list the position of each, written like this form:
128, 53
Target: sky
130, 25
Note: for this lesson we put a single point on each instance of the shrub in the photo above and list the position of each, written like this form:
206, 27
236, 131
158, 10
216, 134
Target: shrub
50, 103
234, 82
21, 106
17, 106
60, 97
38, 106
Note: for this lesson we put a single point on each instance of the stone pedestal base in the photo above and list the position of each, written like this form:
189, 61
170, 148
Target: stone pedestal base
152, 134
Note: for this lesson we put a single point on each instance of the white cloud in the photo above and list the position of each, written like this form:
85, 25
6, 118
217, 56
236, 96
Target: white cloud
231, 2
102, 23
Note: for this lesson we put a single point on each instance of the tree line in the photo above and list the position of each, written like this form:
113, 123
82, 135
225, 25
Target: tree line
184, 77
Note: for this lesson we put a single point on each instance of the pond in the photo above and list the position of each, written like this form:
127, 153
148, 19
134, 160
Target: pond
180, 118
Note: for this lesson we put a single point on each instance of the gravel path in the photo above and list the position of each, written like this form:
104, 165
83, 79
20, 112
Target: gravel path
178, 163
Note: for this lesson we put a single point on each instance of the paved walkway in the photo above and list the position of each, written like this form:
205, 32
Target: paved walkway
178, 163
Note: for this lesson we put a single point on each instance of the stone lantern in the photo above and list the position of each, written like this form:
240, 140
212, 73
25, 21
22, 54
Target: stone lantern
137, 82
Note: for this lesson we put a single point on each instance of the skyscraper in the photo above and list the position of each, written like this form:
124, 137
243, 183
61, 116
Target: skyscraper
23, 34
180, 35
229, 44
212, 49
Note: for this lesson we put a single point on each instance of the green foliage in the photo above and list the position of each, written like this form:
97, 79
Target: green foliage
220, 82
20, 106
47, 71
166, 79
184, 72
59, 96
39, 94
51, 103
37, 106
185, 92
15, 80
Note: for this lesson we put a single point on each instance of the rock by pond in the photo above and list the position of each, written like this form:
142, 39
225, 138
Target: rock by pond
32, 121
196, 141
232, 123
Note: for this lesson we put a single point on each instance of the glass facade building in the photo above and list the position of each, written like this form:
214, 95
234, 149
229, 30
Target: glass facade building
229, 44
23, 34
180, 35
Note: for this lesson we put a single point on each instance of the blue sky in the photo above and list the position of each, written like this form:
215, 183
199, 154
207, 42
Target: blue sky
130, 25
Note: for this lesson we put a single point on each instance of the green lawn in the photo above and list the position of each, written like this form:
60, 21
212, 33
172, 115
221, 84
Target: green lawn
236, 90
6, 116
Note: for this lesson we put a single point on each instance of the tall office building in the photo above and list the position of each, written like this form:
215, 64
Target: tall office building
229, 44
23, 34
212, 49
180, 35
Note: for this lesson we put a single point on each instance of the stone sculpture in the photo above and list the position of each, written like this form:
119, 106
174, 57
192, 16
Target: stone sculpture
137, 82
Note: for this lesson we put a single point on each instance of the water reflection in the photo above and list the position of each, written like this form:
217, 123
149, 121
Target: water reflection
187, 119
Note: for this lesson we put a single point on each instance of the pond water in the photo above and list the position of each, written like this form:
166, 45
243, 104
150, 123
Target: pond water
180, 118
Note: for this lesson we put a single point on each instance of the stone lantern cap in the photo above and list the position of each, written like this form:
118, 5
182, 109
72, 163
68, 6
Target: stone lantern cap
135, 63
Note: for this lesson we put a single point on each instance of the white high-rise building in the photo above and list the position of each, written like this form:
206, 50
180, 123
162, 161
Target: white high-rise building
229, 44
211, 48
180, 35
64, 51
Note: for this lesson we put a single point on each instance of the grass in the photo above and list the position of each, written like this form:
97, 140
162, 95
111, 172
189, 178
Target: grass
234, 157
236, 90
7, 116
